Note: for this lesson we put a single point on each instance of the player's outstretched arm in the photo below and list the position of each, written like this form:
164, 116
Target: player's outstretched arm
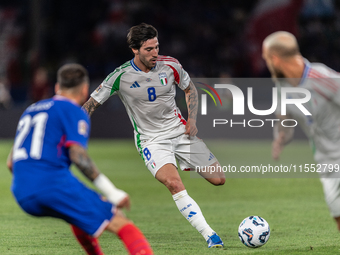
81, 159
282, 136
191, 98
91, 105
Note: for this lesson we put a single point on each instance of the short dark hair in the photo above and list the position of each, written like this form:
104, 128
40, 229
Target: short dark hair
72, 75
139, 34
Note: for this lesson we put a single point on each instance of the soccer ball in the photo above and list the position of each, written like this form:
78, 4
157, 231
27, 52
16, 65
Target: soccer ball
254, 231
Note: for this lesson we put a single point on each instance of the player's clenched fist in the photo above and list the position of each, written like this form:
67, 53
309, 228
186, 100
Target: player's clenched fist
115, 196
190, 128
125, 203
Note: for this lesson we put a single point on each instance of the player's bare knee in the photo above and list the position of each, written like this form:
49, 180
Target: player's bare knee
217, 181
222, 178
174, 185
219, 177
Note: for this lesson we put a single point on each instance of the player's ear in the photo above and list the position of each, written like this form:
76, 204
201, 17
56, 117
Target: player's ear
275, 59
135, 51
85, 91
56, 88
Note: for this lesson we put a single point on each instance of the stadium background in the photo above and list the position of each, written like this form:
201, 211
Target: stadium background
209, 38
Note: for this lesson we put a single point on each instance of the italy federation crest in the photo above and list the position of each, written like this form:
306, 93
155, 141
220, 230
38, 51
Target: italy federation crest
153, 164
163, 78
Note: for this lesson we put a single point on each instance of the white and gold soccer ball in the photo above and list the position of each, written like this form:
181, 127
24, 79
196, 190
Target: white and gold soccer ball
254, 231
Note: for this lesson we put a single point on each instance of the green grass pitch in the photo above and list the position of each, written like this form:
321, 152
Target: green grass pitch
294, 207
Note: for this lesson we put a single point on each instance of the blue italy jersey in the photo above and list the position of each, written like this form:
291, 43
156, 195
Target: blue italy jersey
40, 152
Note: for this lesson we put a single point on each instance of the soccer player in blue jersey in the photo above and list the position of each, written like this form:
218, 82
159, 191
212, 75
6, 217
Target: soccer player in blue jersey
51, 135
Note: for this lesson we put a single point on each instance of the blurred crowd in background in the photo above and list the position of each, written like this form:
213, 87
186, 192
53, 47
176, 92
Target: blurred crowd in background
209, 38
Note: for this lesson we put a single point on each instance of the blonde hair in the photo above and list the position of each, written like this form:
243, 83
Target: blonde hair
282, 43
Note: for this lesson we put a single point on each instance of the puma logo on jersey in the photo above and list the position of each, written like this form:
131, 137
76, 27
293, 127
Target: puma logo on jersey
135, 85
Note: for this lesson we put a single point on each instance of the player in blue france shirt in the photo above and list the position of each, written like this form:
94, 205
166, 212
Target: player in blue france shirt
51, 135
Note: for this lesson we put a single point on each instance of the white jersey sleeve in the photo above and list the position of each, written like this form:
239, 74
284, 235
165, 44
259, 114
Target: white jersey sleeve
325, 82
110, 86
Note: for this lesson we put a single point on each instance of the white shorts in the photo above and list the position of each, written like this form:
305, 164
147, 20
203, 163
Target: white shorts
188, 152
331, 189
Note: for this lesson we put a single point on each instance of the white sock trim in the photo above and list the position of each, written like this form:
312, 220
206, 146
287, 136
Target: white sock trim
180, 194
